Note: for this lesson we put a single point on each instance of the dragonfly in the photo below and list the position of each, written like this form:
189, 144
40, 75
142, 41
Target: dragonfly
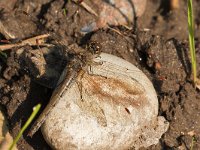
72, 71
69, 75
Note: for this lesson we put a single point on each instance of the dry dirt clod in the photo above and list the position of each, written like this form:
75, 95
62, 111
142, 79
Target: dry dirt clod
17, 25
7, 5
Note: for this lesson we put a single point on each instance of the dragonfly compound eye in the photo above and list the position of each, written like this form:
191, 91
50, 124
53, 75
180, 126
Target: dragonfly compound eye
94, 47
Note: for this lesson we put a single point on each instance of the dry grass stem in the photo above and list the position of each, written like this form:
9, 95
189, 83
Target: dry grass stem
88, 8
34, 41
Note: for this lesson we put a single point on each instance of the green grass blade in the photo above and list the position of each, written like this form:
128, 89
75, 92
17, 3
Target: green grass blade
30, 119
191, 39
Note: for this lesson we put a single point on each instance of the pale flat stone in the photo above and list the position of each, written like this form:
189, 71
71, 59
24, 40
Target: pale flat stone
112, 105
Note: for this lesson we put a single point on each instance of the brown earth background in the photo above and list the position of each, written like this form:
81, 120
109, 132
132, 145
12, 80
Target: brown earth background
158, 46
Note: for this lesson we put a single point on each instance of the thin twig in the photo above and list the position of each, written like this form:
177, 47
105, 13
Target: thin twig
118, 32
87, 7
34, 41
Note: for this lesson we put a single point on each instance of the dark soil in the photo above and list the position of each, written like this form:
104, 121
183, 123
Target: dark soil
161, 52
